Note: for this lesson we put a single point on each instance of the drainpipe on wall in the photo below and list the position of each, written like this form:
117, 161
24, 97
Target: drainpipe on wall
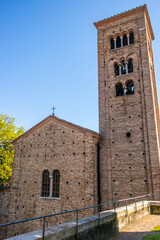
98, 177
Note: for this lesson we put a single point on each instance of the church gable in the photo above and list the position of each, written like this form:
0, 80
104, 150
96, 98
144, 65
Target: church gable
62, 123
55, 146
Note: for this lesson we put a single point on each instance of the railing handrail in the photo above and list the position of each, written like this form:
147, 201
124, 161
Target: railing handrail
69, 211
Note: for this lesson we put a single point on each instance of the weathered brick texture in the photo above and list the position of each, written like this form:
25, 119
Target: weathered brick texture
53, 144
129, 166
4, 207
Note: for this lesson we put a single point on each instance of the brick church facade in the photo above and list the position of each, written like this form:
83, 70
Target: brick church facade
60, 166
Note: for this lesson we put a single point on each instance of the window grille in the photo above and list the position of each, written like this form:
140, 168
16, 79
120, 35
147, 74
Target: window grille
56, 183
45, 183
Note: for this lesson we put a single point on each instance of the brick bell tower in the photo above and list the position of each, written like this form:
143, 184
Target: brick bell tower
128, 107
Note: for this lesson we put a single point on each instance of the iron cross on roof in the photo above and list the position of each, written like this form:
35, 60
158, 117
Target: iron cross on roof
53, 108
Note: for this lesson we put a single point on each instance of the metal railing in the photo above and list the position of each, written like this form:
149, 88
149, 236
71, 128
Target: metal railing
78, 210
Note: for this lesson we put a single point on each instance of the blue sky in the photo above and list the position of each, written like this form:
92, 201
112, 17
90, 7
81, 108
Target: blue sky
48, 56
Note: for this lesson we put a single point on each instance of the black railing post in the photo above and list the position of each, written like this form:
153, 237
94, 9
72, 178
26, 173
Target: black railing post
114, 206
43, 237
149, 203
143, 204
99, 215
77, 224
126, 208
135, 205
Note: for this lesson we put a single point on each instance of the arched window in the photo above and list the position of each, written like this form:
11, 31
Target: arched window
112, 43
116, 69
119, 89
130, 65
125, 40
56, 183
123, 67
118, 42
131, 37
129, 87
45, 183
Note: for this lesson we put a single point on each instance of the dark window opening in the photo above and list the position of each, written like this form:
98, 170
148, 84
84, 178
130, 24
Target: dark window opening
130, 65
119, 90
131, 38
118, 42
56, 183
116, 69
45, 183
125, 40
112, 43
123, 67
129, 87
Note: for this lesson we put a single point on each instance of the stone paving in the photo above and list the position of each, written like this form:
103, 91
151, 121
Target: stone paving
139, 229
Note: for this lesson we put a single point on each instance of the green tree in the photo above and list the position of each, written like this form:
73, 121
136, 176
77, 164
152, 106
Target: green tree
8, 132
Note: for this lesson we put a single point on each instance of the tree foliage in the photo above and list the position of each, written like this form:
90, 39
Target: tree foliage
8, 132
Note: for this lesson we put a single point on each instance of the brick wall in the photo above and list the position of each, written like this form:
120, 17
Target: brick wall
53, 146
4, 207
129, 166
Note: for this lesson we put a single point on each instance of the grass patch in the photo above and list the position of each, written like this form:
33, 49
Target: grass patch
156, 229
151, 237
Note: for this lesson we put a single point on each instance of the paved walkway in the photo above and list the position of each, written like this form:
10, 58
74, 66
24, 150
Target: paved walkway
139, 229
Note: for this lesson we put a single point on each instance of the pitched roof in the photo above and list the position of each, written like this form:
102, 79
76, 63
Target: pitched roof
126, 14
61, 121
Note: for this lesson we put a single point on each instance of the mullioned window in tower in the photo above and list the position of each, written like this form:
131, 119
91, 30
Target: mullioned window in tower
122, 40
124, 67
129, 87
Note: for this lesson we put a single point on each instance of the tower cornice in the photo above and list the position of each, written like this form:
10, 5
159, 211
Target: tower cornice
126, 14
